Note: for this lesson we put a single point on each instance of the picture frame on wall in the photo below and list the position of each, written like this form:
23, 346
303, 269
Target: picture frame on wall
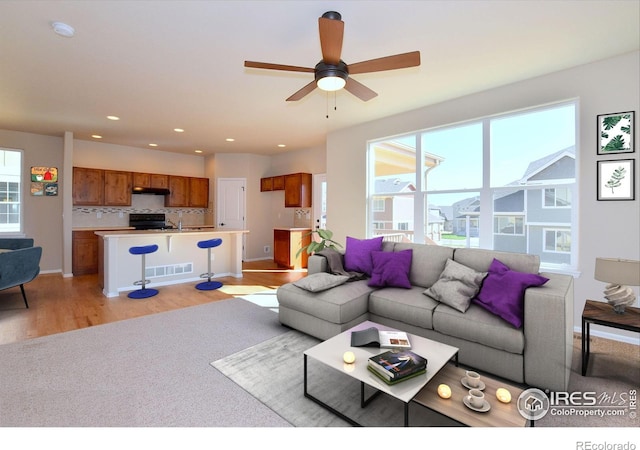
616, 179
616, 133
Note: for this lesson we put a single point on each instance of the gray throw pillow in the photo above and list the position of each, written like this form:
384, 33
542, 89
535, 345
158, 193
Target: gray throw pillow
457, 285
321, 281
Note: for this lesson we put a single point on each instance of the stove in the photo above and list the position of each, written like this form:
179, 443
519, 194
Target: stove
148, 221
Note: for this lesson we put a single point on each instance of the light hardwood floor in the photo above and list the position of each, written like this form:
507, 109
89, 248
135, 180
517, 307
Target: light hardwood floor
58, 304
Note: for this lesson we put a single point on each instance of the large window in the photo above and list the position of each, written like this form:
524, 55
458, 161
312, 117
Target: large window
10, 190
505, 182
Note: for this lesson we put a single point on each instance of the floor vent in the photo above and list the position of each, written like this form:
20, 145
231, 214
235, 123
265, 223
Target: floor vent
172, 269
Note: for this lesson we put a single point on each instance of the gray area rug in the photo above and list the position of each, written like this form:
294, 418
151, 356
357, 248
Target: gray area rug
272, 371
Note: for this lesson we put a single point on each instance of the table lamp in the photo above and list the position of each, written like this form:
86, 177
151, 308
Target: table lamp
618, 273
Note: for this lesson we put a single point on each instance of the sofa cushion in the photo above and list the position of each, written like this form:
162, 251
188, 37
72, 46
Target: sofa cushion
478, 325
502, 292
457, 285
427, 262
391, 269
357, 255
340, 304
409, 306
321, 281
480, 259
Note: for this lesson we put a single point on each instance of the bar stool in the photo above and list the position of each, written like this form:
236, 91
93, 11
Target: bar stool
143, 292
209, 285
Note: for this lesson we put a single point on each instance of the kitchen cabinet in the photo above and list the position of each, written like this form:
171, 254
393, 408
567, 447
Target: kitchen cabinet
179, 187
278, 183
199, 192
117, 188
286, 243
297, 190
88, 187
84, 252
150, 180
266, 184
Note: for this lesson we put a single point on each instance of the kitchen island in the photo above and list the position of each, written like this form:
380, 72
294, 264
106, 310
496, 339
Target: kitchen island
178, 259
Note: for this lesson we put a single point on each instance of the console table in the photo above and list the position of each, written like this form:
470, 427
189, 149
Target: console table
601, 313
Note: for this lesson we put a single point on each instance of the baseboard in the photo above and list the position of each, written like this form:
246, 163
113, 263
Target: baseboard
259, 259
605, 335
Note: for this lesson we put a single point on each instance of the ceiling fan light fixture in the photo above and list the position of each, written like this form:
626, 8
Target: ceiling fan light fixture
331, 77
62, 29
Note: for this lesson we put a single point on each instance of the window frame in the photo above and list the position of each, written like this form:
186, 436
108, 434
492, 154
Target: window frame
21, 187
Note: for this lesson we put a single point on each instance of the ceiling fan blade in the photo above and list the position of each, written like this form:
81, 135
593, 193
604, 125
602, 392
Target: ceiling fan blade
261, 65
302, 92
359, 90
400, 61
331, 33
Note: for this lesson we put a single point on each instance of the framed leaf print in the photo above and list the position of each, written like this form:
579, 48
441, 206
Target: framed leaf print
615, 133
616, 179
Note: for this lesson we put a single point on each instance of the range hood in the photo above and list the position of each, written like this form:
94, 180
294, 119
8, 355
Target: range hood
149, 190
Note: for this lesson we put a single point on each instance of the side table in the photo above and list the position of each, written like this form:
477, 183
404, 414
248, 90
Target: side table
601, 313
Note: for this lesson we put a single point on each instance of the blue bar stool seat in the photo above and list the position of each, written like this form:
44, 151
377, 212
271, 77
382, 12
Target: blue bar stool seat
143, 292
209, 285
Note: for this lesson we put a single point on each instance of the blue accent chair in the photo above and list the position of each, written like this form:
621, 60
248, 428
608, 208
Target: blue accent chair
19, 263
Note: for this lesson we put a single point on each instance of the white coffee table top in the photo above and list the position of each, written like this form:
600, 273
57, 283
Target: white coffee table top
330, 352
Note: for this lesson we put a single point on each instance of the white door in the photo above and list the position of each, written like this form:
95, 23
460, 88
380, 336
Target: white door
319, 201
230, 210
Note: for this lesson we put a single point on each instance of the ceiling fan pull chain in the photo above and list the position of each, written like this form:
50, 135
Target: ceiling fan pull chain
327, 105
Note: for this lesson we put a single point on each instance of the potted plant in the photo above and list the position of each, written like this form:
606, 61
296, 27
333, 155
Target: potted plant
325, 241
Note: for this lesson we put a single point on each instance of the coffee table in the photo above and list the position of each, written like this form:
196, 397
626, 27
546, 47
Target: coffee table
330, 353
498, 415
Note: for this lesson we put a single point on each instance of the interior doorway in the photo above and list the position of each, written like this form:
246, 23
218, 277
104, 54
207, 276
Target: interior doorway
231, 206
319, 201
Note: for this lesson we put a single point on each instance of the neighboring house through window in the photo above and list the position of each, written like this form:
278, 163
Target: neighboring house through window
505, 182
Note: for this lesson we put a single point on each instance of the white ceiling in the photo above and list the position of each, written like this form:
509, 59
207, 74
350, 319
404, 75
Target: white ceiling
159, 65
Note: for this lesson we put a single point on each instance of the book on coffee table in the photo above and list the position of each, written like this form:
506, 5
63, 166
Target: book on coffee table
372, 337
396, 365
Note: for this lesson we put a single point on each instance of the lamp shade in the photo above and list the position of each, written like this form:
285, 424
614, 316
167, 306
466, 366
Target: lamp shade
618, 271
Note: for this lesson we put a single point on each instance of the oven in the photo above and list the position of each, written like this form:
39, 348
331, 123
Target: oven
148, 221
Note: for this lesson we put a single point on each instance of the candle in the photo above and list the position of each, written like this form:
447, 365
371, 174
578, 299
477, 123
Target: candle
349, 357
503, 395
444, 391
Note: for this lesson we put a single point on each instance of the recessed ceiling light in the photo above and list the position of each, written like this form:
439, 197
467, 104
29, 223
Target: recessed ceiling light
282, 145
198, 151
62, 29
113, 117
178, 130
96, 136
153, 145
230, 139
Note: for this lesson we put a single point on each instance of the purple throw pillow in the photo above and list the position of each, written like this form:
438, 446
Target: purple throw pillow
391, 269
357, 254
502, 292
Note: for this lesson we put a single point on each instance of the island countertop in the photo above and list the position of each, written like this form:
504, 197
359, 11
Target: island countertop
178, 258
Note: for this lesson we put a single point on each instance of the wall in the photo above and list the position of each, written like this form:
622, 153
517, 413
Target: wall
42, 216
606, 228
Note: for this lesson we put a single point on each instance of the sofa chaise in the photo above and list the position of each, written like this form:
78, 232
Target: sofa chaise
537, 353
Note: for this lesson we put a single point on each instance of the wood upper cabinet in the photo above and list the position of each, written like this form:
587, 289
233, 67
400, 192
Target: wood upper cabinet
297, 190
179, 187
88, 186
117, 188
266, 184
199, 192
278, 183
150, 180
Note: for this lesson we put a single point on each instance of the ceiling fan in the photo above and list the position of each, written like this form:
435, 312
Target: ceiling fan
332, 73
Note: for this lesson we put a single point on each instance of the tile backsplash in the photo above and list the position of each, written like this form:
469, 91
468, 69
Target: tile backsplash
302, 218
110, 216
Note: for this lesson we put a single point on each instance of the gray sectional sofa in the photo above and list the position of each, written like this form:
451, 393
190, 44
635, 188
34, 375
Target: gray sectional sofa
537, 354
